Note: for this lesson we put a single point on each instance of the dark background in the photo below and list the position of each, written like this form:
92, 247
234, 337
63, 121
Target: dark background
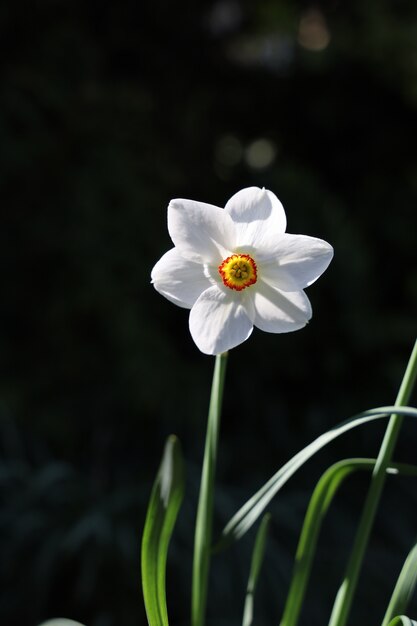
107, 112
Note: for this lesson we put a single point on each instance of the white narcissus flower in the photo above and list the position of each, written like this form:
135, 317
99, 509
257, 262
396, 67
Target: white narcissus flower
237, 268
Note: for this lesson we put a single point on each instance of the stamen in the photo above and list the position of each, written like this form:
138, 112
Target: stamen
238, 271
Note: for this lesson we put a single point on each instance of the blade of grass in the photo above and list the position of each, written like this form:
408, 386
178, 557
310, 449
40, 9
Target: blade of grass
255, 568
346, 592
322, 496
203, 528
403, 620
164, 504
247, 515
404, 588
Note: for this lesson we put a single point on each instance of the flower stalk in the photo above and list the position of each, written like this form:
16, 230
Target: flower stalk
344, 598
203, 529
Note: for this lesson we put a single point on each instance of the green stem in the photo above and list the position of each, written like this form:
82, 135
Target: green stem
203, 529
346, 591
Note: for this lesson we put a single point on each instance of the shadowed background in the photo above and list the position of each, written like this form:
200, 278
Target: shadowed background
106, 113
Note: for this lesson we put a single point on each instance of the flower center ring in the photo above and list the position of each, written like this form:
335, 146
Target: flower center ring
238, 271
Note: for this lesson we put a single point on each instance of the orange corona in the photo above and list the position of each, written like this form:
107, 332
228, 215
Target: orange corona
238, 271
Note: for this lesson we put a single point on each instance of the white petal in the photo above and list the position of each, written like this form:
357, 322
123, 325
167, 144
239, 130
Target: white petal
256, 213
278, 312
293, 262
219, 321
203, 233
179, 280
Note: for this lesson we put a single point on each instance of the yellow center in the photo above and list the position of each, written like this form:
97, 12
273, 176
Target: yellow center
238, 271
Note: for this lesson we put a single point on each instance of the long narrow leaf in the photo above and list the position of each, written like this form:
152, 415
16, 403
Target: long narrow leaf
255, 568
322, 496
254, 507
404, 588
403, 621
165, 501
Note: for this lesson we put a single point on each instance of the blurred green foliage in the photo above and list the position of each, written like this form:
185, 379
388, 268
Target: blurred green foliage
106, 113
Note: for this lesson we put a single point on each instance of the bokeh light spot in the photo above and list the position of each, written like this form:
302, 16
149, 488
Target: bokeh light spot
313, 33
229, 151
260, 153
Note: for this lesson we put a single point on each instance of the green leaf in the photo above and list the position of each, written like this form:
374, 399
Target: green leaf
403, 620
320, 501
255, 506
165, 501
255, 568
404, 588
